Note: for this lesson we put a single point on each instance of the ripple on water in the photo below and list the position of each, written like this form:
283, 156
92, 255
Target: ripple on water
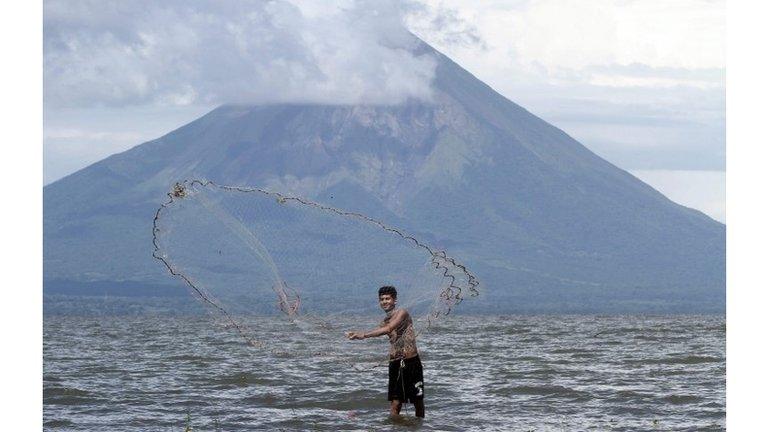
482, 373
543, 390
675, 360
56, 395
59, 423
237, 379
681, 399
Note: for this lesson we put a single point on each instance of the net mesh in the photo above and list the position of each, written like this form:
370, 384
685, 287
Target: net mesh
247, 252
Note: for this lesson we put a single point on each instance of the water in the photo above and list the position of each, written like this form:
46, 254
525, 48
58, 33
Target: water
543, 373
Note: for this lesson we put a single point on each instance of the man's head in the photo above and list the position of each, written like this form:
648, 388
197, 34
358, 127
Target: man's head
387, 297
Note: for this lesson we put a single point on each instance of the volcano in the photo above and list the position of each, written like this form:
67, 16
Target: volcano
545, 224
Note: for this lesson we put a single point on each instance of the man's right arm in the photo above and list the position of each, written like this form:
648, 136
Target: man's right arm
395, 321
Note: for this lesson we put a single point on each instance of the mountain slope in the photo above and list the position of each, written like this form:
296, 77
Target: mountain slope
546, 224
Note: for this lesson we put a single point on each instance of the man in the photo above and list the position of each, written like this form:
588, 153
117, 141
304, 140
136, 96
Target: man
406, 378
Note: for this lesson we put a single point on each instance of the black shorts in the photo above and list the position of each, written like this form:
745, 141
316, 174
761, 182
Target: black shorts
406, 380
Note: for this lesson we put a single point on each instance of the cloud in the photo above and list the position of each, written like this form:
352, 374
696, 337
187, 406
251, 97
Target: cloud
446, 26
117, 53
641, 75
571, 34
81, 135
564, 42
641, 82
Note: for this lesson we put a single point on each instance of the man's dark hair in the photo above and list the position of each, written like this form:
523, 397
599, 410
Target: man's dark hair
390, 290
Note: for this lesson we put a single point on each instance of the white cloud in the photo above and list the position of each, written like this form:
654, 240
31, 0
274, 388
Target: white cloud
641, 82
559, 41
118, 53
678, 34
83, 135
617, 80
576, 34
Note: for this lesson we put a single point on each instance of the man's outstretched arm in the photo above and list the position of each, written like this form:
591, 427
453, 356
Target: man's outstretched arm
395, 321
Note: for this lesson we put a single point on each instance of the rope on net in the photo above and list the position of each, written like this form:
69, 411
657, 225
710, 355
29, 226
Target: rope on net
289, 300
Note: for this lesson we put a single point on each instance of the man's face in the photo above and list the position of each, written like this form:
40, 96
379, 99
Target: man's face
387, 302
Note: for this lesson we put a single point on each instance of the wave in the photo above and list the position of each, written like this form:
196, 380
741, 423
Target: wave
681, 399
687, 360
546, 390
68, 396
239, 379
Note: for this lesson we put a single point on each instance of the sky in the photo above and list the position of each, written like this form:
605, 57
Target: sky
640, 83
747, 231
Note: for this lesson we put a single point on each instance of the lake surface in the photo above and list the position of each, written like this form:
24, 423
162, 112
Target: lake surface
519, 373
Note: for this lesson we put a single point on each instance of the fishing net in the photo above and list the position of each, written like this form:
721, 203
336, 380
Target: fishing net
255, 258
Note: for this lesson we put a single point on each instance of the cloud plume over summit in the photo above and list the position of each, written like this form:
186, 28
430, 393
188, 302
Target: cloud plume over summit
117, 53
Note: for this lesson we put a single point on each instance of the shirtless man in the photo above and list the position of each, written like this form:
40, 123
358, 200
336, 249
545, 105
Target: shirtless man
406, 379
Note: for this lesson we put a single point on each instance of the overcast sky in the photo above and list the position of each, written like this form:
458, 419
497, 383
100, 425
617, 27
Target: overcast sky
641, 83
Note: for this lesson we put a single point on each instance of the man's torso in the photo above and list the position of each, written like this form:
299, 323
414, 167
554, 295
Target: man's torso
402, 340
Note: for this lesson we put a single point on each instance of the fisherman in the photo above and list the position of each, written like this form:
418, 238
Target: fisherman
406, 377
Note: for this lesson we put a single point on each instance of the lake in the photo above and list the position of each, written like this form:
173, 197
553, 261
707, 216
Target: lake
518, 373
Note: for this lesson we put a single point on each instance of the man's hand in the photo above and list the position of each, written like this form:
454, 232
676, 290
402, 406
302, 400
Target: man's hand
355, 335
